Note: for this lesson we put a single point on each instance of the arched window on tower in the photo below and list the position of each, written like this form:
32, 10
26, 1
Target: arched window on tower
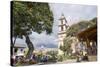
62, 28
61, 22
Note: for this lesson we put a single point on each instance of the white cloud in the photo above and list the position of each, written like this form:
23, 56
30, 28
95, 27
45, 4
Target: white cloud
48, 41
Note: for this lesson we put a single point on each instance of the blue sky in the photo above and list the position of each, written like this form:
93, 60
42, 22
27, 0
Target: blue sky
73, 13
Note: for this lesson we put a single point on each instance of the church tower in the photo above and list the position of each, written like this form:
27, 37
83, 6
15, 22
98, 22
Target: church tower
62, 32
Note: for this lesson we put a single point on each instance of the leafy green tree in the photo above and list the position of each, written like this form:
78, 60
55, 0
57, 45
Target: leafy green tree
93, 22
66, 47
53, 55
75, 28
28, 17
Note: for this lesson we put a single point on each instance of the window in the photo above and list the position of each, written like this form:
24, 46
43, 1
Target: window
62, 28
62, 22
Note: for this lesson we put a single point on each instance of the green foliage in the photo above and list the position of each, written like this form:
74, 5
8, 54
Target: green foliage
31, 16
75, 28
66, 47
69, 57
93, 22
60, 58
53, 55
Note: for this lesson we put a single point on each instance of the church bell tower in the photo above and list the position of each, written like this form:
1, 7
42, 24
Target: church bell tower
62, 32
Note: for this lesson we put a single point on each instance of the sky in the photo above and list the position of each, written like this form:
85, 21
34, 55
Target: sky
73, 13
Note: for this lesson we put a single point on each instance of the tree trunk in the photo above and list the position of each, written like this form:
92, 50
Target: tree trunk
14, 40
12, 44
30, 46
11, 50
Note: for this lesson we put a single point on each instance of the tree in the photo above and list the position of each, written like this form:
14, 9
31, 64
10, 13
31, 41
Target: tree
27, 17
53, 55
81, 25
66, 47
